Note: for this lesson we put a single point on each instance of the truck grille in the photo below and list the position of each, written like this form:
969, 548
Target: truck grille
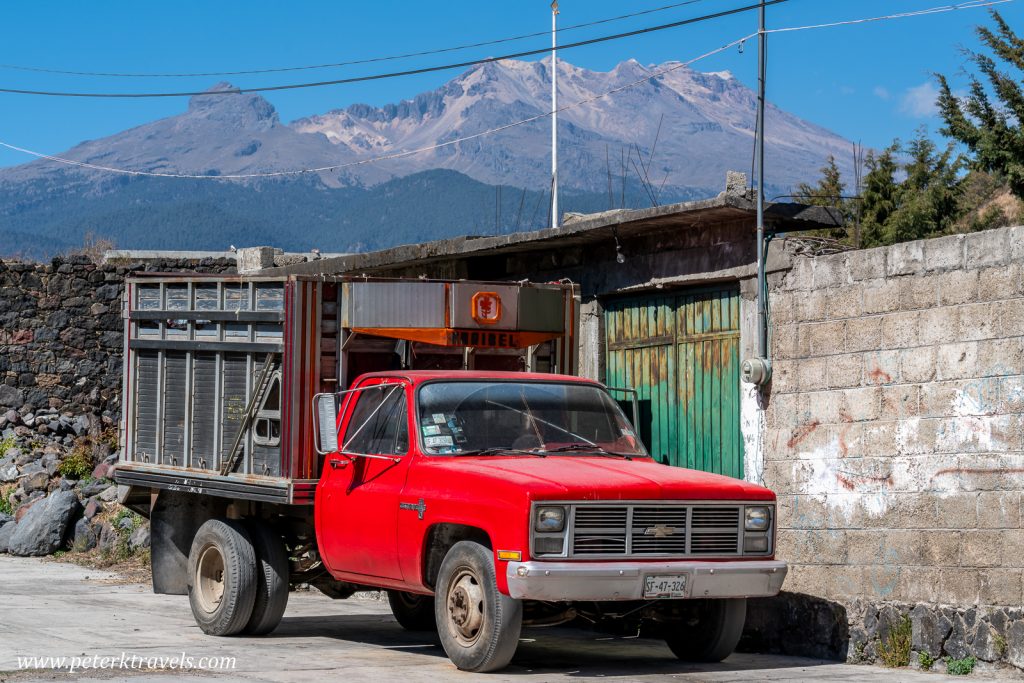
655, 530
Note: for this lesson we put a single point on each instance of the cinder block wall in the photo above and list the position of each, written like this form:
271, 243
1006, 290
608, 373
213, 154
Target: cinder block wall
893, 437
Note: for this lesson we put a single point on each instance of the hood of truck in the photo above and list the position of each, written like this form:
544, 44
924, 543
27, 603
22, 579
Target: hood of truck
583, 477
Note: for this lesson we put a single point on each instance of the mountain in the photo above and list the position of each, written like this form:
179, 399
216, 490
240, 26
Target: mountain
707, 129
702, 124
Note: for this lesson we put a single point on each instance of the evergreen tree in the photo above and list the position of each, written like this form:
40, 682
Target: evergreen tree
829, 189
928, 197
828, 192
880, 194
991, 129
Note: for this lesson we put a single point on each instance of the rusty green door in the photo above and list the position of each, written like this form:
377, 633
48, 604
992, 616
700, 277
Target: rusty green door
680, 352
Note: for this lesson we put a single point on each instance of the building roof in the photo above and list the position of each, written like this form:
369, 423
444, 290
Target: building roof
577, 230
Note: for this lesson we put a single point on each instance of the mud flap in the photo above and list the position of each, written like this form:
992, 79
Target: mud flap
174, 519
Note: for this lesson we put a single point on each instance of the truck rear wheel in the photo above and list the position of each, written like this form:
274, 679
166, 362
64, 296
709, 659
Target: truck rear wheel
271, 579
716, 633
478, 625
413, 612
221, 577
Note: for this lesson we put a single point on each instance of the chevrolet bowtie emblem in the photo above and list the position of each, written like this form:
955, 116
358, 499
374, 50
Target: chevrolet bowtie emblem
659, 531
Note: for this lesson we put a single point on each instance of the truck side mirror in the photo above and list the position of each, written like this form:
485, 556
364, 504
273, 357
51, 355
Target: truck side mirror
325, 426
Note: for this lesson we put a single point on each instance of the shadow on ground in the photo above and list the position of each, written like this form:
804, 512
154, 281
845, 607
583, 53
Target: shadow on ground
561, 650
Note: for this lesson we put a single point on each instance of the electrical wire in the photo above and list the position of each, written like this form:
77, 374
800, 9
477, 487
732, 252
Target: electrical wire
409, 72
386, 157
972, 4
398, 155
368, 60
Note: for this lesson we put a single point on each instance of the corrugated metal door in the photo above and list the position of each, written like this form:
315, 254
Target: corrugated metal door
681, 354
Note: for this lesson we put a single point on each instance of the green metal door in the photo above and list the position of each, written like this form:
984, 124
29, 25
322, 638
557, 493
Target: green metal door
680, 352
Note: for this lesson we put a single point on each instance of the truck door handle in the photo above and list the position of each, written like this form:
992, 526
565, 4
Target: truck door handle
339, 464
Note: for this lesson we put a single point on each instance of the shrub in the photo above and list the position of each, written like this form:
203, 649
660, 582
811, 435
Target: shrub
894, 650
925, 660
5, 499
77, 464
960, 667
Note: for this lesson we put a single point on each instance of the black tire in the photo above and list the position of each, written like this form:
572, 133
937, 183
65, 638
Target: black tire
714, 636
222, 577
413, 612
478, 625
271, 579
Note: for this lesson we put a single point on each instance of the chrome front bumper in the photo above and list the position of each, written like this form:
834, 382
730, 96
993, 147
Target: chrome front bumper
600, 581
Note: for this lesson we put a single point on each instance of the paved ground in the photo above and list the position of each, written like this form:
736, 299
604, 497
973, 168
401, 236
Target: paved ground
60, 610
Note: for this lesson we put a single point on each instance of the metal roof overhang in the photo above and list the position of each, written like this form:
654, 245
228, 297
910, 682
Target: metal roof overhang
578, 231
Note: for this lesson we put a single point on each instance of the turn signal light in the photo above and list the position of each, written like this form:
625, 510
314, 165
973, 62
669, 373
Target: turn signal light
510, 555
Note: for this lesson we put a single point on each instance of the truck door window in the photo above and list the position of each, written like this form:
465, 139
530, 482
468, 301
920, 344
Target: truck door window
379, 423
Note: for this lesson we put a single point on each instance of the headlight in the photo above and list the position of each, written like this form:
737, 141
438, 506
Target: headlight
550, 519
757, 519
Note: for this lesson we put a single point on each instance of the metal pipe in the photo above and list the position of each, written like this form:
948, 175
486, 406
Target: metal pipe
554, 117
762, 308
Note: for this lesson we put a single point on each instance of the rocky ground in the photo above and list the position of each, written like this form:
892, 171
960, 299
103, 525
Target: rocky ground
56, 491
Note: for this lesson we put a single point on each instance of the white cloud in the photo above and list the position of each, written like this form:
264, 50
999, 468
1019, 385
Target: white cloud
847, 90
919, 101
882, 93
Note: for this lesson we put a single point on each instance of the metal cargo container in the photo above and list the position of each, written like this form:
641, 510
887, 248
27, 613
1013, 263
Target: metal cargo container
220, 371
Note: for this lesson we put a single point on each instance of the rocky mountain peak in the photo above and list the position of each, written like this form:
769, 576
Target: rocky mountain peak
248, 110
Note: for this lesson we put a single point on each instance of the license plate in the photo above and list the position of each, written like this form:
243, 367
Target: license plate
673, 586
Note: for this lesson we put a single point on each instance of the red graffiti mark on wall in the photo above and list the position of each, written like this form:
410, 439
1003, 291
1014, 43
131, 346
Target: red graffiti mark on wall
879, 376
846, 480
801, 433
844, 447
845, 483
976, 470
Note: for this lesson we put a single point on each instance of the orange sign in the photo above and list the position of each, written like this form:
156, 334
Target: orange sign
486, 308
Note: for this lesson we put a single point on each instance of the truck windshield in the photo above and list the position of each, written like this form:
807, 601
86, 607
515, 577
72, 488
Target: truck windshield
545, 418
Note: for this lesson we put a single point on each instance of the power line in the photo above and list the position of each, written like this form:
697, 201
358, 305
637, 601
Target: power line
354, 62
409, 72
386, 157
973, 4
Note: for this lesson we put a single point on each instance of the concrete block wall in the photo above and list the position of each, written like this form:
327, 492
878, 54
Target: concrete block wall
894, 434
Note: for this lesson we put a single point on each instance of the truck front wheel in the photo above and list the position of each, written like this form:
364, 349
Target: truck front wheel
221, 577
714, 634
478, 625
413, 612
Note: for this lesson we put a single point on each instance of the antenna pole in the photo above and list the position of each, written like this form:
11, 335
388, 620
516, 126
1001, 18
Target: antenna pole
554, 116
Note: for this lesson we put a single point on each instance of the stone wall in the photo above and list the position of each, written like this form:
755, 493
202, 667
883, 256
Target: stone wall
61, 332
893, 438
61, 345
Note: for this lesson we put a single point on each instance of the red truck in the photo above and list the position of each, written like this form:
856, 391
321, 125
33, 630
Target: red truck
469, 473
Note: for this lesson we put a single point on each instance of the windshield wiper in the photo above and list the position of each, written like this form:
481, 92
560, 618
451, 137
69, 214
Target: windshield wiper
501, 450
592, 448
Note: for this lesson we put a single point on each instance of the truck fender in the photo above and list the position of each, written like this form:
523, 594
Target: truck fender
439, 539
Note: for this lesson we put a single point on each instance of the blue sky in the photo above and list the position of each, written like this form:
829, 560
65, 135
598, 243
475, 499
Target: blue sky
868, 82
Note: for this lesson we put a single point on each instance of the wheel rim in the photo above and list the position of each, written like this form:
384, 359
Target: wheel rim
209, 579
465, 603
